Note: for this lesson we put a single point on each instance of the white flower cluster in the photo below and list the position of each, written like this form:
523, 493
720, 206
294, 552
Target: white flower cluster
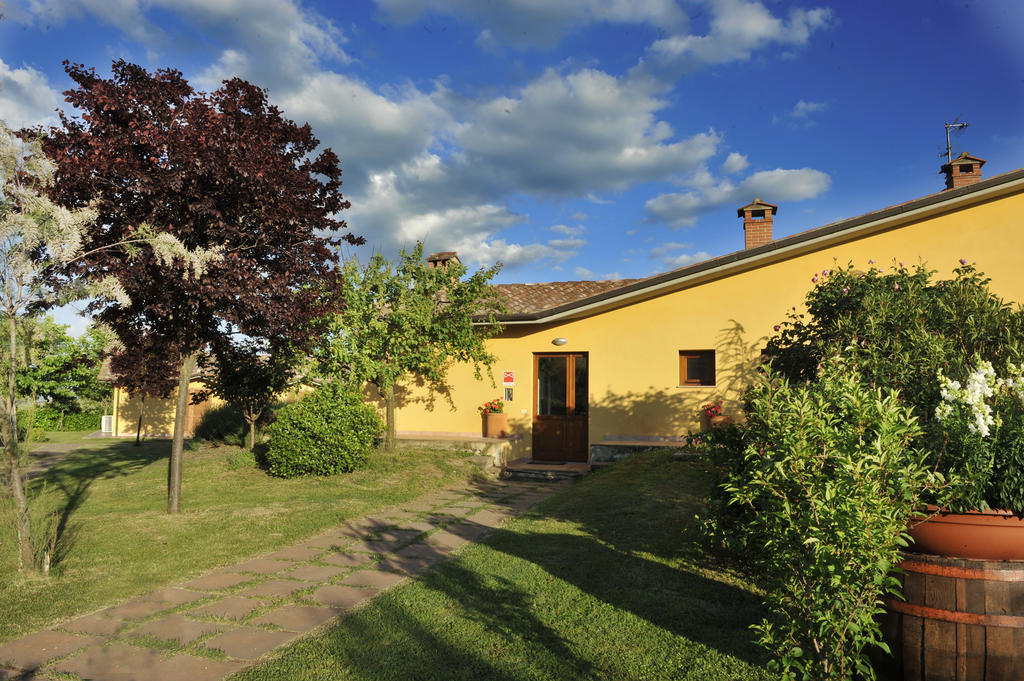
981, 384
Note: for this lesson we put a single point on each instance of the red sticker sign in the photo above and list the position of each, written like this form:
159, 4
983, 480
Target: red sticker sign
508, 378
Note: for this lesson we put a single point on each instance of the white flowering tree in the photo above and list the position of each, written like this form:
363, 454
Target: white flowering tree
35, 235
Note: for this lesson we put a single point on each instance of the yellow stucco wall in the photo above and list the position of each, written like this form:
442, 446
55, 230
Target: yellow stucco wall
158, 412
634, 349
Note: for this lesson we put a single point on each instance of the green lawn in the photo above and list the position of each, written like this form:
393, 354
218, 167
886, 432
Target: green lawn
116, 541
596, 583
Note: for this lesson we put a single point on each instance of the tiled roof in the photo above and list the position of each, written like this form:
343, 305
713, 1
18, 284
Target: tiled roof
527, 298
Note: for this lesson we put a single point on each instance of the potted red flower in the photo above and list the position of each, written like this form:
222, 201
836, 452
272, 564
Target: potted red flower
713, 413
495, 419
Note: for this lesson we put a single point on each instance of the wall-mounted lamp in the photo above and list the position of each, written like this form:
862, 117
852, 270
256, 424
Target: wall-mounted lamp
559, 341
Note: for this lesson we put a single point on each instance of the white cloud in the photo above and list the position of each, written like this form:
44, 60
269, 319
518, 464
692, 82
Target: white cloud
663, 250
26, 98
802, 113
735, 163
567, 230
683, 209
584, 273
577, 134
737, 29
533, 23
272, 42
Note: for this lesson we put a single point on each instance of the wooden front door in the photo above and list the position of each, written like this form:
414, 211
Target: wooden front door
560, 390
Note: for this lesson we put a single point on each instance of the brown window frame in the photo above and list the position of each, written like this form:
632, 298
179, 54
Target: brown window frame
706, 380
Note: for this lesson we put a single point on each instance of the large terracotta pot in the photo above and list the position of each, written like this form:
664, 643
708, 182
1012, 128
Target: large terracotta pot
496, 425
984, 535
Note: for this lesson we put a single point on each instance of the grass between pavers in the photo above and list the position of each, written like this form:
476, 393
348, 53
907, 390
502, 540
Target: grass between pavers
598, 582
117, 540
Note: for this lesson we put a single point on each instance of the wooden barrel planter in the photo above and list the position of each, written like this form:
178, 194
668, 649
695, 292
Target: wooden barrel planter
963, 620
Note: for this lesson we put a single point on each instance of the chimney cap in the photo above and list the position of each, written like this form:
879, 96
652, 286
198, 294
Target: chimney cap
442, 258
964, 157
757, 204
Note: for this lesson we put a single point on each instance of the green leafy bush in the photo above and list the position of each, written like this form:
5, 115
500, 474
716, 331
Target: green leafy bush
329, 431
51, 418
903, 328
831, 480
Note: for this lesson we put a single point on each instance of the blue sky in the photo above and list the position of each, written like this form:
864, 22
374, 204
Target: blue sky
578, 139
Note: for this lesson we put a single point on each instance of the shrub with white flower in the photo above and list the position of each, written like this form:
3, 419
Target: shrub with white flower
982, 436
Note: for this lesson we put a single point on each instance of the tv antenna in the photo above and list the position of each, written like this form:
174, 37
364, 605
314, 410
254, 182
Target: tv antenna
955, 125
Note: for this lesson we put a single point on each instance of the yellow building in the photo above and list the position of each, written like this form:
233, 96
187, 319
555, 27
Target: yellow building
594, 362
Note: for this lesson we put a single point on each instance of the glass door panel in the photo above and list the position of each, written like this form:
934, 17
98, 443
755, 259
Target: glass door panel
552, 386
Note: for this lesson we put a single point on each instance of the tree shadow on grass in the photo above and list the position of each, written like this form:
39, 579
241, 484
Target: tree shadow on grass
71, 479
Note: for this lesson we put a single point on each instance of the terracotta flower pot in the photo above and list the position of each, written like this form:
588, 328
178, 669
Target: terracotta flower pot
495, 425
984, 535
720, 420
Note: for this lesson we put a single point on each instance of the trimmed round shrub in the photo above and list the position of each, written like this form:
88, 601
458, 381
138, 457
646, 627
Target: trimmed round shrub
329, 431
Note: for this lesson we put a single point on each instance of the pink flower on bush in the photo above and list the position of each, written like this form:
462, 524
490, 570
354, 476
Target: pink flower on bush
776, 327
846, 289
963, 261
871, 262
814, 279
895, 287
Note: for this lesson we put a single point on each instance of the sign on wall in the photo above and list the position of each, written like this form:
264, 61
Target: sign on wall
508, 379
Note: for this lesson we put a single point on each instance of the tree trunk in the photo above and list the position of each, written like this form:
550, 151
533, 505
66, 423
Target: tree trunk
390, 432
138, 428
251, 417
188, 365
26, 561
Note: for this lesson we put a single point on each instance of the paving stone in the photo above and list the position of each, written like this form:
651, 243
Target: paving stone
116, 662
315, 573
275, 588
232, 607
491, 519
298, 617
137, 609
406, 565
422, 551
34, 650
399, 516
401, 535
446, 541
375, 579
369, 546
418, 527
219, 580
347, 559
120, 662
192, 668
420, 506
178, 628
296, 553
468, 530
327, 541
341, 597
176, 595
247, 643
457, 511
95, 623
262, 566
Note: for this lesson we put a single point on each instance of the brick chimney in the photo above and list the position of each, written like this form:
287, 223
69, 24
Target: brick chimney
442, 259
962, 170
757, 222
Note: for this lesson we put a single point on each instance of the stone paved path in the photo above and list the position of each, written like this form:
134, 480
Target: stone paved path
210, 627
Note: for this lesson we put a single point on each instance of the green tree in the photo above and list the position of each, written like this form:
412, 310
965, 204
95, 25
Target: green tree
408, 318
250, 374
